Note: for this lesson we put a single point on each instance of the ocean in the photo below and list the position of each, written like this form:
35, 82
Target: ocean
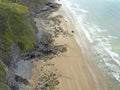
98, 25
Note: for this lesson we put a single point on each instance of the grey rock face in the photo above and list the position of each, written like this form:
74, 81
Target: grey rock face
24, 68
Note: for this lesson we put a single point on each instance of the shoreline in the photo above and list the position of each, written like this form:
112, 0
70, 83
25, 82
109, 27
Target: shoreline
84, 77
107, 68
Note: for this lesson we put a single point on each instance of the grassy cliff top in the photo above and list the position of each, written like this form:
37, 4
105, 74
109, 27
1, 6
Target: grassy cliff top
15, 27
33, 4
20, 8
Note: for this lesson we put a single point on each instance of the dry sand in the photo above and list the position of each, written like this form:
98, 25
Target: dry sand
76, 72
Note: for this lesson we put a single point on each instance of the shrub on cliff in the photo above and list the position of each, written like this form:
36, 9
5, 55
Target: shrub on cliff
3, 71
33, 4
15, 27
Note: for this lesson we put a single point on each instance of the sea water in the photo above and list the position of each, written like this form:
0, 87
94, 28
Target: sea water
99, 21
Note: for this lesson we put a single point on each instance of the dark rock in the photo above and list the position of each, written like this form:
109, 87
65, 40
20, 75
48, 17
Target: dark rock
48, 8
26, 56
25, 82
46, 85
53, 5
21, 80
14, 88
72, 31
18, 78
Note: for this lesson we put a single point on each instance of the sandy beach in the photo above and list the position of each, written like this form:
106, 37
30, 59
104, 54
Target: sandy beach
76, 72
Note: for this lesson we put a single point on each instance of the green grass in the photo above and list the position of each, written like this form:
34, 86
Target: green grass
15, 28
34, 4
4, 0
20, 8
3, 70
4, 86
7, 0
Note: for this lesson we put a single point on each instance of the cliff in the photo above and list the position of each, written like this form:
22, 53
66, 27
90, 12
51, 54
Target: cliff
15, 28
18, 39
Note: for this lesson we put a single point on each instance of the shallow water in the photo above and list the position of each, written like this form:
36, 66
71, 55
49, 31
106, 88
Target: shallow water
99, 21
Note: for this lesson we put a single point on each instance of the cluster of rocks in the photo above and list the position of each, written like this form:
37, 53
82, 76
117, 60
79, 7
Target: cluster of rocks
50, 6
47, 82
44, 49
20, 80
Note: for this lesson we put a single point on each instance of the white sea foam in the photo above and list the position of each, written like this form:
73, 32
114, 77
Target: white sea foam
98, 38
103, 48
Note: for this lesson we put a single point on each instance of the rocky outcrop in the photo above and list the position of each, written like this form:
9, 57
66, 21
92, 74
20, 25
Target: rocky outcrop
50, 6
20, 80
45, 49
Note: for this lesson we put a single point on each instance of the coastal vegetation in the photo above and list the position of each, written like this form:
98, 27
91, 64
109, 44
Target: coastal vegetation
3, 71
15, 27
33, 4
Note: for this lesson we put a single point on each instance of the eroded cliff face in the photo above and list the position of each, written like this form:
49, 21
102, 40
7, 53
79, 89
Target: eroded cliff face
20, 40
17, 35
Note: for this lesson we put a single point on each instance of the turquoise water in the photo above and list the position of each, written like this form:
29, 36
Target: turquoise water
100, 22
